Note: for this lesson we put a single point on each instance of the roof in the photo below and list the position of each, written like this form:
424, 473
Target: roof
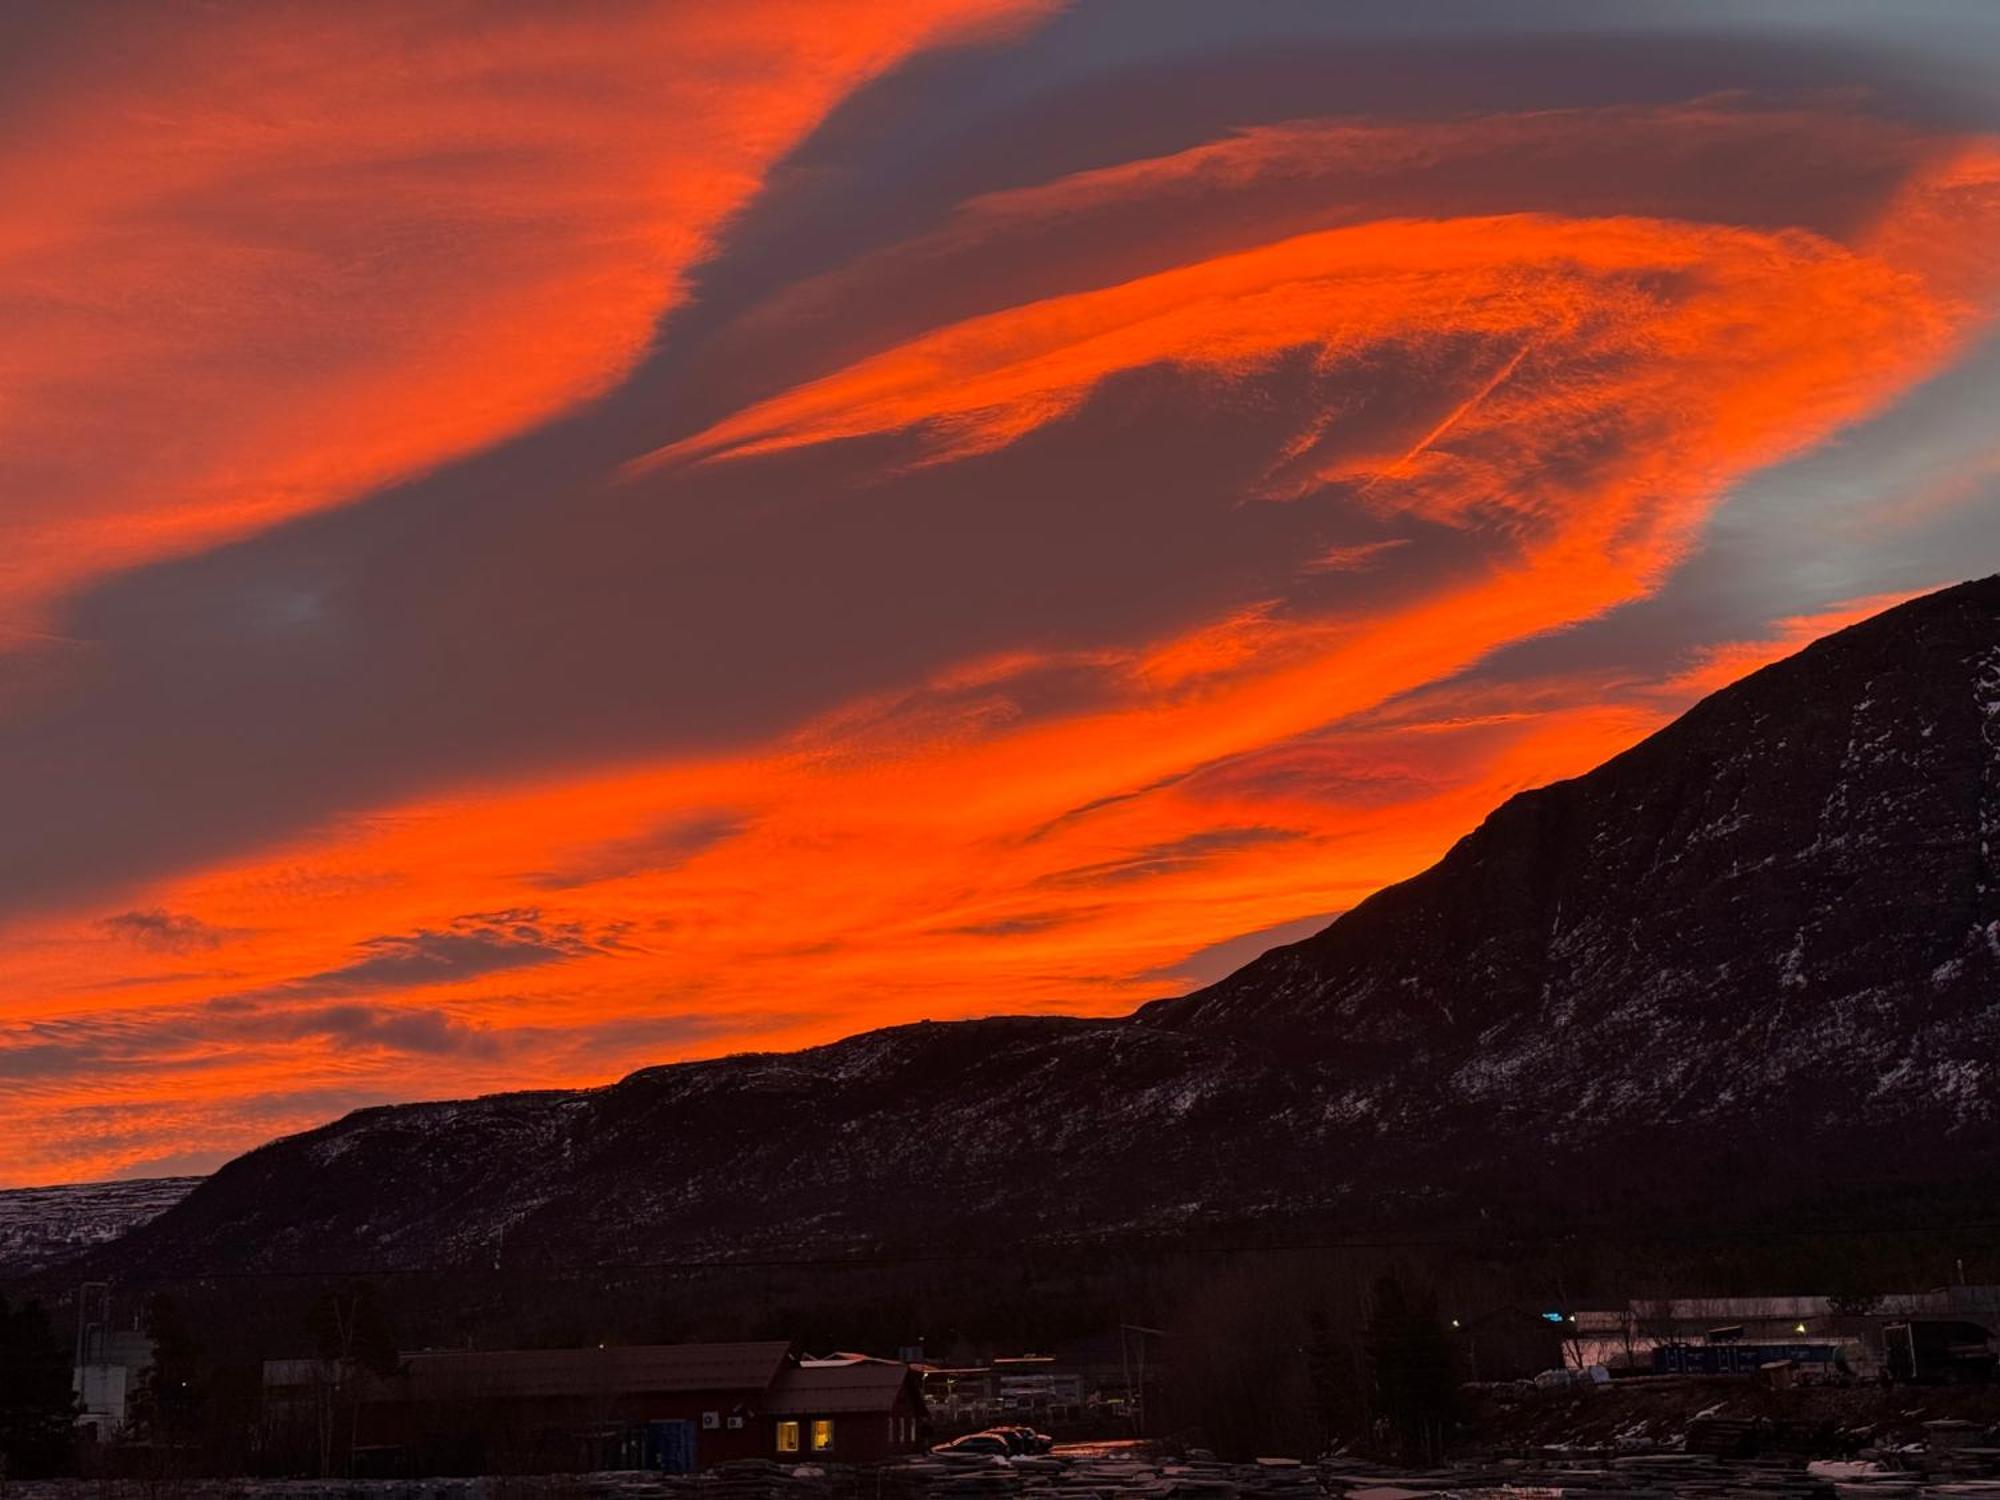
629, 1370
861, 1386
281, 1373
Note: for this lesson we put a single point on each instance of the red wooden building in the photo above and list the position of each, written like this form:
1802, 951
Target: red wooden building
674, 1407
850, 1408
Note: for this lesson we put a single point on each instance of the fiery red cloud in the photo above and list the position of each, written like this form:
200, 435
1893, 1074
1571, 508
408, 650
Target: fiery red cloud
259, 260
1487, 379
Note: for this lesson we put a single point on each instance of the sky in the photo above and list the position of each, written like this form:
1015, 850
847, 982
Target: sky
539, 539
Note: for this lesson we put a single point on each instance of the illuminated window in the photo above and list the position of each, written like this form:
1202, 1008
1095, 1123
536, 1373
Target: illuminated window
822, 1434
788, 1437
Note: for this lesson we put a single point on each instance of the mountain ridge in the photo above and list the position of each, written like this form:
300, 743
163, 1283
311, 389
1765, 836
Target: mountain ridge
1753, 958
43, 1227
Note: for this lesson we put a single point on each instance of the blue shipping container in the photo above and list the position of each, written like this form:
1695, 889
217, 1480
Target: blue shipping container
670, 1447
1741, 1359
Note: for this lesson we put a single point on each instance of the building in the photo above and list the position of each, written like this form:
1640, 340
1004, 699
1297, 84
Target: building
960, 1397
1034, 1388
1625, 1338
672, 1407
1092, 1383
849, 1408
109, 1364
1939, 1351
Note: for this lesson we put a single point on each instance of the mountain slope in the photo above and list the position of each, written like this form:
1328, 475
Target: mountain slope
1795, 887
42, 1227
1754, 959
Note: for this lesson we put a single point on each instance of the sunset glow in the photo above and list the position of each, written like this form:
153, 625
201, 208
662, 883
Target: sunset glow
538, 545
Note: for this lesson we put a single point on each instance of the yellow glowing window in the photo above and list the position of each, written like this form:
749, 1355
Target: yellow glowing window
788, 1437
822, 1434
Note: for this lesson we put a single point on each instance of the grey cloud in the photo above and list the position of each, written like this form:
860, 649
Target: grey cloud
165, 931
179, 1040
664, 848
1172, 857
46, 1059
426, 1031
60, 1048
1024, 924
470, 946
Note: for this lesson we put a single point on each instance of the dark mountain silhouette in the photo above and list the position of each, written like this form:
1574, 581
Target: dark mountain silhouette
1753, 962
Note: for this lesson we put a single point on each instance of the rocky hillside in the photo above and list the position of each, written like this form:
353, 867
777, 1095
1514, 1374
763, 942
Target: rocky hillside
43, 1227
1784, 907
1754, 960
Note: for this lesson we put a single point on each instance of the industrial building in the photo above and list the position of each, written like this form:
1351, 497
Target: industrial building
1831, 1337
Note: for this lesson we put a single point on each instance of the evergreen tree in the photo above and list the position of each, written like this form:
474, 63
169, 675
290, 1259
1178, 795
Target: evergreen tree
1330, 1372
172, 1398
1409, 1358
37, 1402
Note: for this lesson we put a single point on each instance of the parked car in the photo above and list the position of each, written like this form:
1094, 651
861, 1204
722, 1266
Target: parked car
1026, 1439
983, 1444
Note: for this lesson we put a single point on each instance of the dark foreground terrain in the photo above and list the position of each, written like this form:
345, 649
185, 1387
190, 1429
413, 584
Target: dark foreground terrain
1694, 1440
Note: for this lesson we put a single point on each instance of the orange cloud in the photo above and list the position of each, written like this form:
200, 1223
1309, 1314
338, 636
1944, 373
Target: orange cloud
256, 261
1622, 321
1708, 161
1582, 389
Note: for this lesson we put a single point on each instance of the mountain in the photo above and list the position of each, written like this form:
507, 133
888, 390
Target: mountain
43, 1227
1752, 962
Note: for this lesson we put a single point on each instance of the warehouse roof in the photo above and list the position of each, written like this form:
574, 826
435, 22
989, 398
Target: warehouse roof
628, 1370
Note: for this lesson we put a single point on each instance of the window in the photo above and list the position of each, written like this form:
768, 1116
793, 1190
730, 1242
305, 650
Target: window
822, 1434
788, 1437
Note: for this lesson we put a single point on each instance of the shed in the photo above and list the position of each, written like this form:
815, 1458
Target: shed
851, 1407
